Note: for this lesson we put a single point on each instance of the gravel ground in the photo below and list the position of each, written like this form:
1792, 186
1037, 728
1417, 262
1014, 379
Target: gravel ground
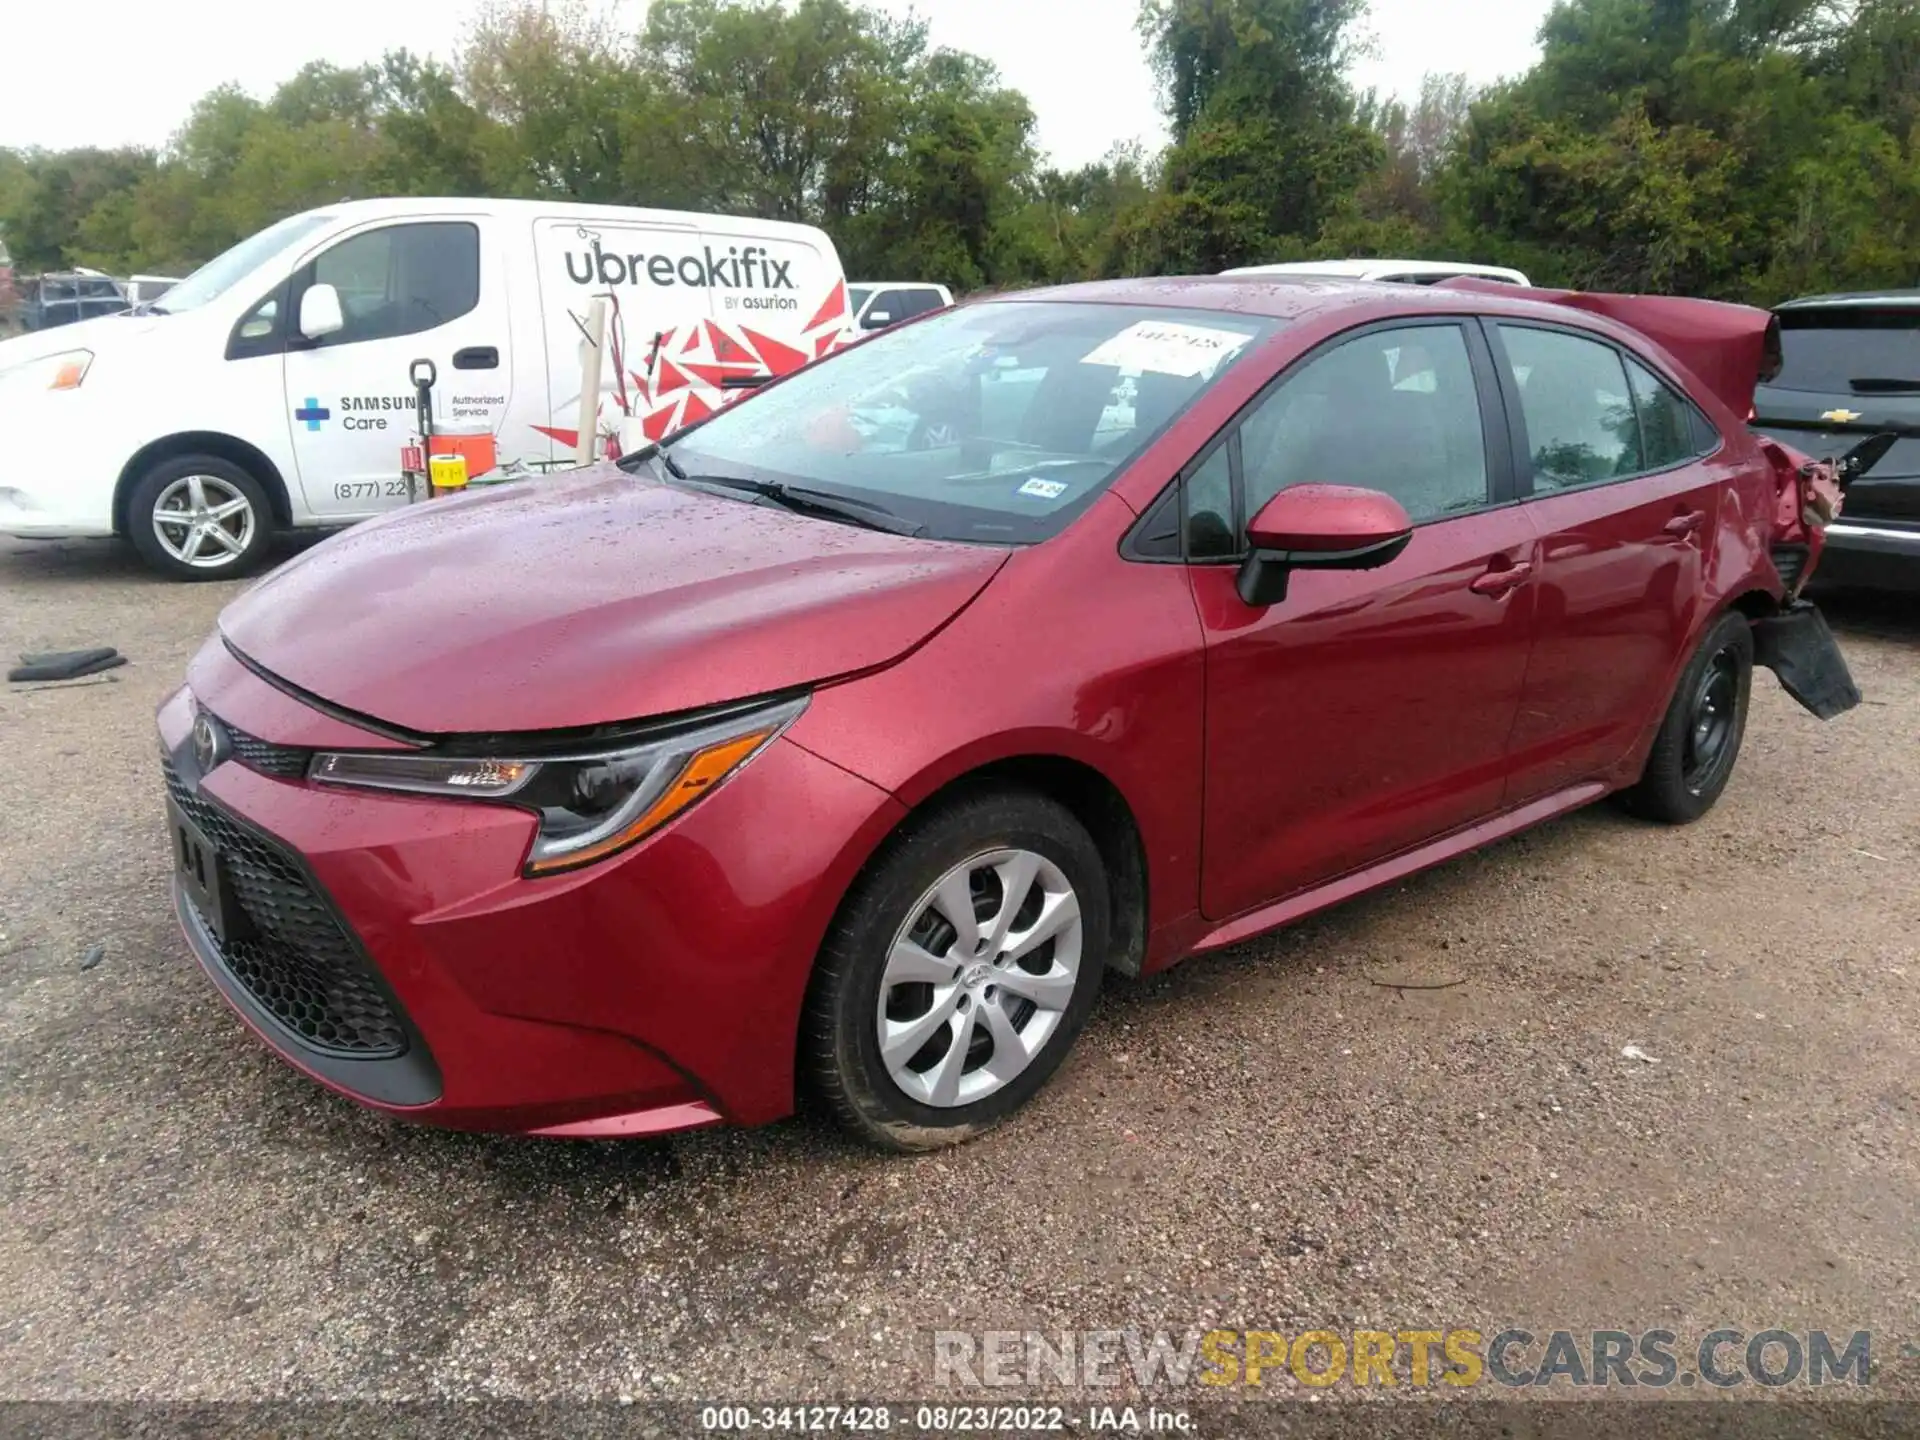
1272, 1138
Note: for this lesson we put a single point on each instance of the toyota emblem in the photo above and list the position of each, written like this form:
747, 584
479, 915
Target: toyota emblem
210, 743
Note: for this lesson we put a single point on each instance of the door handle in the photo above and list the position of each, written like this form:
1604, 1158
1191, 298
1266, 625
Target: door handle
1686, 523
477, 357
1502, 582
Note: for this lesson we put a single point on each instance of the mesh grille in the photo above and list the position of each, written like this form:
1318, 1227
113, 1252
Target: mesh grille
1791, 562
288, 762
300, 964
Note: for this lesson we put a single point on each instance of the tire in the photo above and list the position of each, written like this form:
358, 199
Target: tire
1699, 739
993, 839
205, 545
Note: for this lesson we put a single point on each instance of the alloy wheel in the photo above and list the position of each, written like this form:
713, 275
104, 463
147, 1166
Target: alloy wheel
979, 977
204, 521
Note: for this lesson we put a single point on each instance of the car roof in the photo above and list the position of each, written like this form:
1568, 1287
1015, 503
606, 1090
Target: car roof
468, 205
1886, 299
1366, 269
1290, 297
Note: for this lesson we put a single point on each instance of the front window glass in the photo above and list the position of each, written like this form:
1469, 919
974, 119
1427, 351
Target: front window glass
1211, 531
1394, 410
995, 422
217, 276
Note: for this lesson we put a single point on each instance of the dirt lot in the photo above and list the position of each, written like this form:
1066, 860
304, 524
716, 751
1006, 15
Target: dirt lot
1267, 1139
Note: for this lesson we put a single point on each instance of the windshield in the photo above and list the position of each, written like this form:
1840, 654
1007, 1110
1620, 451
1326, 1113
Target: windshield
218, 275
857, 296
1832, 351
997, 422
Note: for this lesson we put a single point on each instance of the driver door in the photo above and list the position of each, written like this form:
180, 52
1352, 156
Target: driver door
1370, 710
409, 290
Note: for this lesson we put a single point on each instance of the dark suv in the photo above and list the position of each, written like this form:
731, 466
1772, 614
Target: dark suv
1852, 370
51, 300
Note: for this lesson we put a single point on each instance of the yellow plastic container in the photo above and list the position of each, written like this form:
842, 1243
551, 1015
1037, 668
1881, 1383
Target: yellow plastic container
447, 472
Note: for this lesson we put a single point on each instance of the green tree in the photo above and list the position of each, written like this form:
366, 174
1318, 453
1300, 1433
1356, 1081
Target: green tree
1268, 146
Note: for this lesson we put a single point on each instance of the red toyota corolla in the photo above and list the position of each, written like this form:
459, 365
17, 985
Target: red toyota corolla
843, 742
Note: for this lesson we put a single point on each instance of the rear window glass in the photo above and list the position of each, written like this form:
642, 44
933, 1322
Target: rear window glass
1850, 352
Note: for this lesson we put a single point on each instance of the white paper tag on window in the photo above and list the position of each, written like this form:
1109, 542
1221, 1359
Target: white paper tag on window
1044, 489
1165, 347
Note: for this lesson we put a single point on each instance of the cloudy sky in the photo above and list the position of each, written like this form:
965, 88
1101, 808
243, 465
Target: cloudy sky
1079, 61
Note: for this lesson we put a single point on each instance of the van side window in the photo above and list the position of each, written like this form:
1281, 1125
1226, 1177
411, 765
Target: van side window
400, 280
258, 331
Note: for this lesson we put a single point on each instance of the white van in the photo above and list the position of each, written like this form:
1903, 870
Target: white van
270, 388
1403, 272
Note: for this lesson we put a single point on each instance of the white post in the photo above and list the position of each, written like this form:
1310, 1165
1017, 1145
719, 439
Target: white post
587, 449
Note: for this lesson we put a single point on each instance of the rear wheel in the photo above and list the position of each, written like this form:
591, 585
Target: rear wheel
199, 517
1693, 755
964, 964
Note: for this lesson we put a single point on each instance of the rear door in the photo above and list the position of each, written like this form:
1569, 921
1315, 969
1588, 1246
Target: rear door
414, 289
1851, 371
1610, 457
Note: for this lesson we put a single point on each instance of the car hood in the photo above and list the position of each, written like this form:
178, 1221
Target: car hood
95, 335
591, 599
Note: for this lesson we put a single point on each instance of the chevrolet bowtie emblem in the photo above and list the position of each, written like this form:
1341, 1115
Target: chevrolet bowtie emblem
1841, 417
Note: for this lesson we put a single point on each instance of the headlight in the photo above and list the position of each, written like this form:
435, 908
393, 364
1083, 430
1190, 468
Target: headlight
65, 371
592, 804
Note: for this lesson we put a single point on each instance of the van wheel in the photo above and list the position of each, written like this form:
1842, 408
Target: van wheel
198, 517
1699, 740
963, 965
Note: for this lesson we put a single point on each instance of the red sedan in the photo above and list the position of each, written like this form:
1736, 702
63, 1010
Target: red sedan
843, 742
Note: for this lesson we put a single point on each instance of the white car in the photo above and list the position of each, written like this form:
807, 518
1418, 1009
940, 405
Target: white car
877, 304
1406, 272
270, 389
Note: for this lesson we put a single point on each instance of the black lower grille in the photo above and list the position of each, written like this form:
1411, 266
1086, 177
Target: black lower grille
287, 762
1791, 562
299, 964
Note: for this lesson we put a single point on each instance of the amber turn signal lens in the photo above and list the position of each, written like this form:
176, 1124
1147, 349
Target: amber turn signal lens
700, 774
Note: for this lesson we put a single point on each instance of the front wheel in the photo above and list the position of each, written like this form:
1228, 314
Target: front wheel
961, 970
1699, 740
199, 517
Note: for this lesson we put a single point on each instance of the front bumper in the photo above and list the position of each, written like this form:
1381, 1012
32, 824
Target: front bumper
52, 486
656, 991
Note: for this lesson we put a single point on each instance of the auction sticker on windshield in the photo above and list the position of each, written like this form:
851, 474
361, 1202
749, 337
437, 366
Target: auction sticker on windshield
1164, 347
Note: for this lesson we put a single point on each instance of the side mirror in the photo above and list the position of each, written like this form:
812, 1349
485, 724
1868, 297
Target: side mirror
876, 320
320, 314
1320, 527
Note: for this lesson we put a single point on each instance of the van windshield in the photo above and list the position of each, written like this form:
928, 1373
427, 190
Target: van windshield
994, 422
220, 274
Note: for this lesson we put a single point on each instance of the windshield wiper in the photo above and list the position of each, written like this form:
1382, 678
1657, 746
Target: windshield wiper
1876, 385
631, 462
803, 501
